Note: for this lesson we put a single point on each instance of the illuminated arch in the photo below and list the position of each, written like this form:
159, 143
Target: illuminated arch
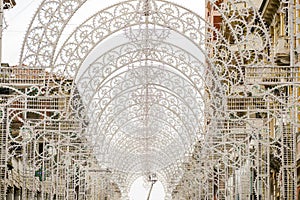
94, 95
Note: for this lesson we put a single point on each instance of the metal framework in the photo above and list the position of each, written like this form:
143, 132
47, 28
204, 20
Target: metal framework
213, 118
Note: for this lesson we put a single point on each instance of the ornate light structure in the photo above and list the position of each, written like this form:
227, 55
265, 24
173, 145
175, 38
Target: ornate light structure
211, 125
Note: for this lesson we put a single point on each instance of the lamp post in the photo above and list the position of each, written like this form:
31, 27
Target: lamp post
152, 179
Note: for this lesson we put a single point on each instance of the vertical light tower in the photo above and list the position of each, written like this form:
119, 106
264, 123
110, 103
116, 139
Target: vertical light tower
4, 4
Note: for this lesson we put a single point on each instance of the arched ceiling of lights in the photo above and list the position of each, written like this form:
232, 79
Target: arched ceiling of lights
160, 104
119, 38
127, 148
93, 6
18, 19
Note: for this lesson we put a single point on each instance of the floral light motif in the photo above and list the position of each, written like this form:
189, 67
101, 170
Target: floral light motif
200, 121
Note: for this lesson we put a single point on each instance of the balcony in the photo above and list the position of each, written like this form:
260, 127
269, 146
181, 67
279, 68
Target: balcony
44, 103
270, 75
22, 77
244, 104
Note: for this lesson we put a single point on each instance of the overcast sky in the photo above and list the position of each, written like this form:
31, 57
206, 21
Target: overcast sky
17, 20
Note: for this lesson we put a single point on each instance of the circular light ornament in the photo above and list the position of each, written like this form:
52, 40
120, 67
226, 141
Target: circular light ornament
51, 150
26, 133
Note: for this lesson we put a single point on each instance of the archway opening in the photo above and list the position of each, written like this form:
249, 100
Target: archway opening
140, 188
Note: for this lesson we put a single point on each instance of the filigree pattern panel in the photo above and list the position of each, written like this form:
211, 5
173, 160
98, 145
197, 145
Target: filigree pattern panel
220, 125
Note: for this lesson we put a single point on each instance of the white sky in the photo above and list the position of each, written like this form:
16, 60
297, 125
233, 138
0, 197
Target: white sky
16, 22
140, 192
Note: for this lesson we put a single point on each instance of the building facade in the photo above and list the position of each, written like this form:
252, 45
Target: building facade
46, 158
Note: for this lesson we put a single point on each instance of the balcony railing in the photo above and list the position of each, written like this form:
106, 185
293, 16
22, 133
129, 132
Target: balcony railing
23, 76
269, 75
36, 103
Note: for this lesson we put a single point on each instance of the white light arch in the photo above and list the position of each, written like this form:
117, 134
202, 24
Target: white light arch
223, 69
